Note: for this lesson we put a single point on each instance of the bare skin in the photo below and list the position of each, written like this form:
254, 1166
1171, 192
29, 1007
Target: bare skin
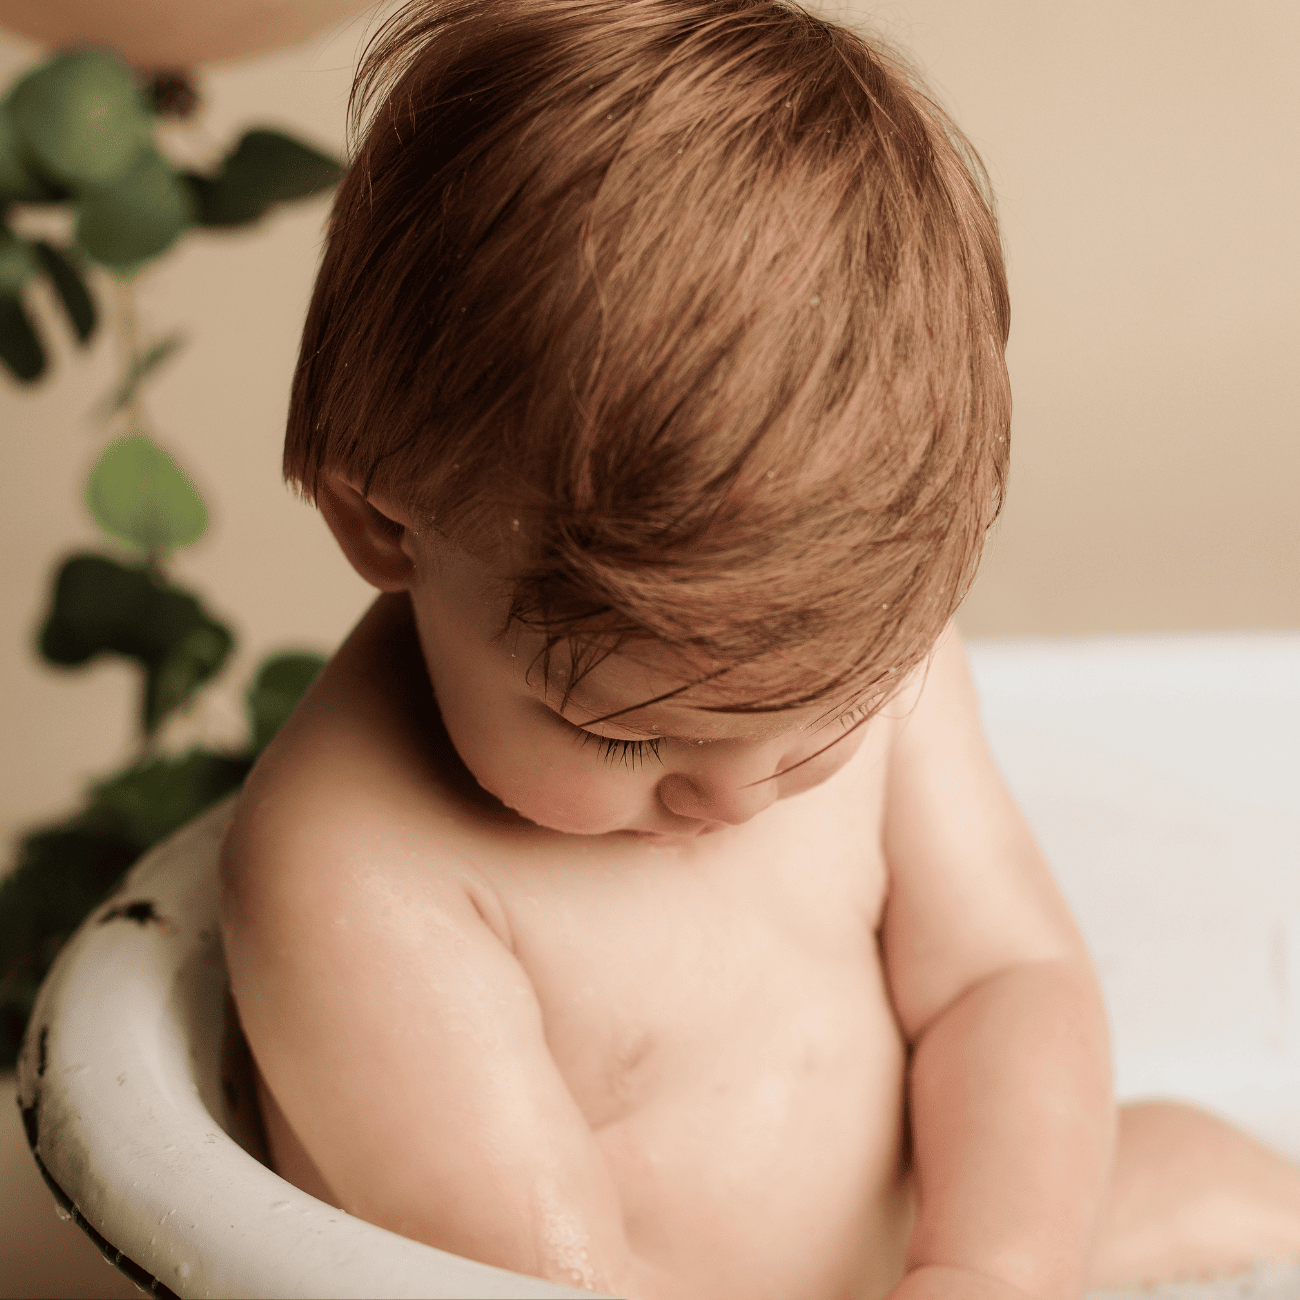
711, 1024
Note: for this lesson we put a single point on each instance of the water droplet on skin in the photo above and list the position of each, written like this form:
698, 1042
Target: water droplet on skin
514, 525
815, 301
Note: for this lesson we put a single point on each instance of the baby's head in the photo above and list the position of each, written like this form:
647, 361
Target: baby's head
657, 350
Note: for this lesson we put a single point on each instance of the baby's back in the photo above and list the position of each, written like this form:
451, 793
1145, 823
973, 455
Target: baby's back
717, 1013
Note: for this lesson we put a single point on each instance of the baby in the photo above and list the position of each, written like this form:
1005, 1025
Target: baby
633, 901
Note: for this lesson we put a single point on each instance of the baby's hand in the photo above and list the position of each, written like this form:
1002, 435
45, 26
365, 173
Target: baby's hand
940, 1282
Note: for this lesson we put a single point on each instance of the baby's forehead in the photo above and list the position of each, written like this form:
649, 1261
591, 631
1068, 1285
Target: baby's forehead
637, 684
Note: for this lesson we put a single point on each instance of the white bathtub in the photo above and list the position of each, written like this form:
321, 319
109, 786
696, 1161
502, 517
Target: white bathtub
1161, 776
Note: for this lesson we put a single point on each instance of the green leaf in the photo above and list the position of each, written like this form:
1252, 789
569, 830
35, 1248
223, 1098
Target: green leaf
143, 364
160, 795
19, 179
17, 998
17, 263
83, 117
16, 178
71, 288
170, 683
280, 683
137, 217
264, 169
61, 874
65, 871
99, 606
138, 493
20, 348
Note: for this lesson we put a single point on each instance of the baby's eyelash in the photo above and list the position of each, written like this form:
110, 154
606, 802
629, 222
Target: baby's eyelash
631, 752
854, 716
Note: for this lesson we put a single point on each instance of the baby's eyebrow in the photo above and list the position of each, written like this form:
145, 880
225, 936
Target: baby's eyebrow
617, 719
615, 716
649, 733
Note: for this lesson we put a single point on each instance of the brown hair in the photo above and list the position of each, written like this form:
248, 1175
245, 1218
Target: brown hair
708, 292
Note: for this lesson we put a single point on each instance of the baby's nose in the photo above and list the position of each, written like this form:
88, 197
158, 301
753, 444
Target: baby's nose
716, 796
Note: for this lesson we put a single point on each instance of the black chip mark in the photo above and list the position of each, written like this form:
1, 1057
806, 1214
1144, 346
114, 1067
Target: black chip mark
40, 1050
31, 1122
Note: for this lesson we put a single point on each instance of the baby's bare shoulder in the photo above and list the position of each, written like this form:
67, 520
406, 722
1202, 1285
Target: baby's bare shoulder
347, 808
308, 853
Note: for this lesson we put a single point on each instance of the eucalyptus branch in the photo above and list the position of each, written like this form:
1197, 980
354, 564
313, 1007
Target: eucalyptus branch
81, 130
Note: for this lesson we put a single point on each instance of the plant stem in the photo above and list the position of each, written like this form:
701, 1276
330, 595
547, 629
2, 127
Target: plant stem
128, 340
131, 420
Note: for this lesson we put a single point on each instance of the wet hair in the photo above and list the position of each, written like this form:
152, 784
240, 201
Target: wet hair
702, 298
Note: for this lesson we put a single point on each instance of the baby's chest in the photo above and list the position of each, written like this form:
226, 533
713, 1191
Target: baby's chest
661, 974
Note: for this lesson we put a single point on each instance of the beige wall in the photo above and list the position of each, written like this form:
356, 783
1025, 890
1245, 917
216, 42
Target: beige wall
1144, 156
1146, 159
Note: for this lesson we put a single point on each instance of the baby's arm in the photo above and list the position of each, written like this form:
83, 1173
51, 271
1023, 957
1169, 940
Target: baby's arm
403, 1044
1010, 1087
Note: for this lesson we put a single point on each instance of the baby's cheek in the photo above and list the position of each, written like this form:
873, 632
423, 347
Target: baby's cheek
565, 795
548, 780
805, 775
576, 802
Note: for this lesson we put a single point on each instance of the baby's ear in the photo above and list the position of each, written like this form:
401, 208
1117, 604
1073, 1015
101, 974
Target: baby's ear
374, 539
